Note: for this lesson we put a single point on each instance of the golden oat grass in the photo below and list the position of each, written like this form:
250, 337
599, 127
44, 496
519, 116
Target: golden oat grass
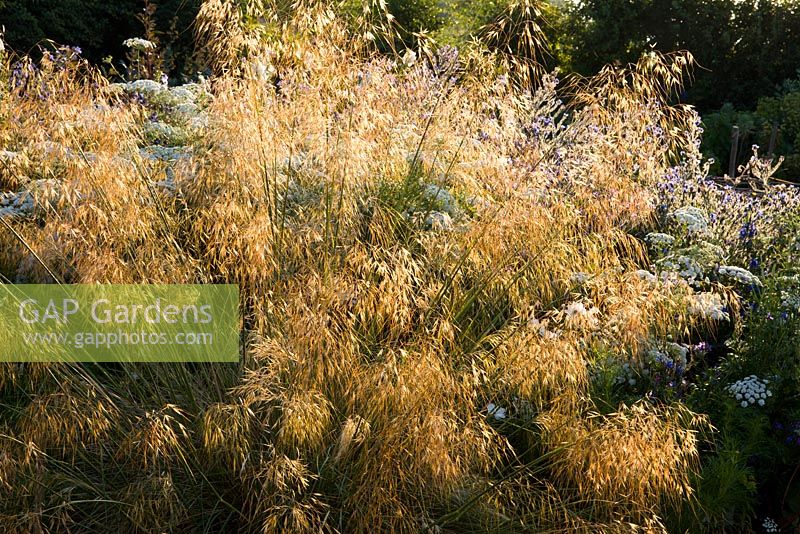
632, 463
374, 343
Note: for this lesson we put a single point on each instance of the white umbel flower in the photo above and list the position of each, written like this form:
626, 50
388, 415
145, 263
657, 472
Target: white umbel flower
577, 315
750, 390
658, 239
409, 58
708, 306
496, 411
695, 220
743, 276
579, 278
647, 276
137, 43
769, 525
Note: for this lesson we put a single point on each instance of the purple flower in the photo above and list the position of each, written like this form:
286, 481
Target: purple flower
747, 231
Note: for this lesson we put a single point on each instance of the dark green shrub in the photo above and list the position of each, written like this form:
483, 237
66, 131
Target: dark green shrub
415, 16
726, 492
755, 127
409, 18
717, 136
742, 48
784, 110
98, 27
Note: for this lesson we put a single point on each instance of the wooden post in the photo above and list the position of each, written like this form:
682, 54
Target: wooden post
734, 152
773, 138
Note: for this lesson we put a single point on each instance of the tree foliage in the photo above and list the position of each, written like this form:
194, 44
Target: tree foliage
744, 49
98, 27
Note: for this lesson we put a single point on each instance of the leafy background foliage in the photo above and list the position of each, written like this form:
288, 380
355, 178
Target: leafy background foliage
744, 49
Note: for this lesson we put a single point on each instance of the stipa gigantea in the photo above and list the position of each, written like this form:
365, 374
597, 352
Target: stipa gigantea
354, 432
644, 91
379, 341
540, 371
153, 503
636, 461
304, 422
158, 438
71, 415
228, 433
280, 497
517, 36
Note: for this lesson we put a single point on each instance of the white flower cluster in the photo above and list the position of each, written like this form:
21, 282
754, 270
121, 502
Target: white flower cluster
435, 219
646, 276
576, 314
185, 100
790, 292
42, 193
708, 306
306, 193
496, 411
743, 276
669, 353
626, 375
579, 278
657, 239
137, 43
161, 132
16, 204
686, 266
262, 71
7, 156
689, 268
770, 525
541, 328
622, 372
187, 110
165, 153
793, 280
443, 197
409, 58
790, 301
145, 87
750, 390
671, 278
438, 221
695, 219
